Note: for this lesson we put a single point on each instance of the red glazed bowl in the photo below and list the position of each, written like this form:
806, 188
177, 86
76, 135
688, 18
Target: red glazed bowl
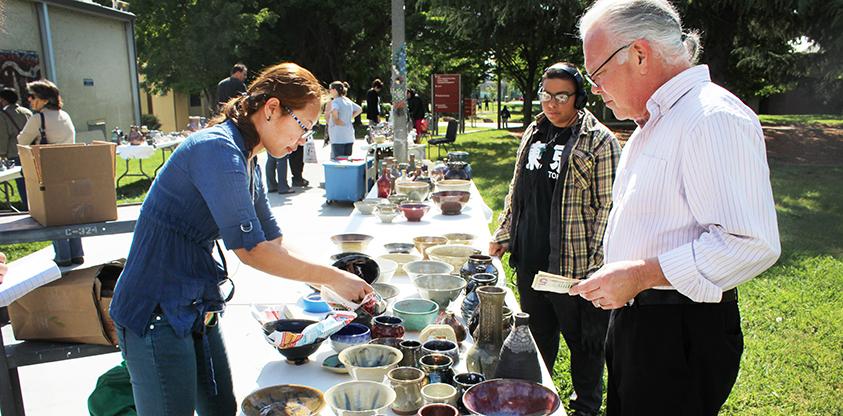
414, 212
450, 202
504, 397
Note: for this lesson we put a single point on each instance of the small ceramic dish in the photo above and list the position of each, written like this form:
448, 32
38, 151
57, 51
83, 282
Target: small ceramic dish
333, 364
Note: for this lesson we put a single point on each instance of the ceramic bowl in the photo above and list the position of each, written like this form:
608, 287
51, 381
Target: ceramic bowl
414, 211
363, 266
405, 248
459, 238
338, 256
440, 288
284, 399
359, 398
442, 346
386, 216
352, 242
416, 313
401, 259
387, 291
450, 202
387, 270
454, 254
439, 393
367, 206
417, 268
423, 242
415, 191
438, 409
504, 397
350, 335
295, 355
313, 303
386, 326
454, 185
397, 198
370, 362
388, 341
332, 363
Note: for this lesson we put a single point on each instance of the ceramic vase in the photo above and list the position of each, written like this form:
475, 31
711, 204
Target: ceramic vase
470, 301
519, 355
478, 263
448, 318
484, 355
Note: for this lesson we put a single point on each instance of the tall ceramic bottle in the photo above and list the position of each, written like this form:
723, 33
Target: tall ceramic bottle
519, 355
484, 355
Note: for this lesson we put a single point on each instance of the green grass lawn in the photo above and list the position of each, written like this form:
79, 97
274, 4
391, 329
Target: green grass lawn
834, 120
792, 314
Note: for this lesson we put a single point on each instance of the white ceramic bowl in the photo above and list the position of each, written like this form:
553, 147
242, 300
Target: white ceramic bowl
388, 268
370, 361
359, 398
417, 268
401, 259
454, 254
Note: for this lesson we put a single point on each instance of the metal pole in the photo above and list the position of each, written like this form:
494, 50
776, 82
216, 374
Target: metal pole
500, 125
399, 82
49, 64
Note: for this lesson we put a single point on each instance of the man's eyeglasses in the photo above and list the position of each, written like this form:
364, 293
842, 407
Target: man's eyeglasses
561, 98
590, 77
308, 132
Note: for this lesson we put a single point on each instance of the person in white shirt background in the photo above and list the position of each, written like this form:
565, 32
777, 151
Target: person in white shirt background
340, 114
693, 214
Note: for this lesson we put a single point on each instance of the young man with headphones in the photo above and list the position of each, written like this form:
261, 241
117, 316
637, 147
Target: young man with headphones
553, 220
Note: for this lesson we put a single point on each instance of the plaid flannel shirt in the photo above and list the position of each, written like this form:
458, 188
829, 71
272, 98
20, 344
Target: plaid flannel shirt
586, 195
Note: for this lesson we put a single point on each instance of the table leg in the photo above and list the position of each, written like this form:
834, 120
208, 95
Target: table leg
11, 400
124, 173
163, 160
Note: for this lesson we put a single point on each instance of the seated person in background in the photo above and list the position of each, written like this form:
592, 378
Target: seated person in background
3, 267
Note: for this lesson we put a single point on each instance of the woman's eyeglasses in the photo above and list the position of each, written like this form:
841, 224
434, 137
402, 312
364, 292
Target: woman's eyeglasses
308, 132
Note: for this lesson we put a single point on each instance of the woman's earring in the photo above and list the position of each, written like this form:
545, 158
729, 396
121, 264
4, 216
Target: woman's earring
269, 118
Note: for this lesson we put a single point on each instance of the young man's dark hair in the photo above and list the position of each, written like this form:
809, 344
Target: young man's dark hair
9, 95
377, 83
238, 68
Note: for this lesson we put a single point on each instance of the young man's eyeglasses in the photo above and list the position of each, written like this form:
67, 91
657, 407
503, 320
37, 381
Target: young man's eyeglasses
308, 132
561, 98
590, 77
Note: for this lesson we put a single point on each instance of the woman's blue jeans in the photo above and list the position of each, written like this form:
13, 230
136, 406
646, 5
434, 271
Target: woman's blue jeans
68, 249
170, 375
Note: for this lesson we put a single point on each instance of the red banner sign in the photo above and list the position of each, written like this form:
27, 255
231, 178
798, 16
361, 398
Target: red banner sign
446, 93
469, 109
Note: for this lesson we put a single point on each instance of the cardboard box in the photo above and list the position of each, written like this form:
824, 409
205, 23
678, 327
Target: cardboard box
70, 183
71, 309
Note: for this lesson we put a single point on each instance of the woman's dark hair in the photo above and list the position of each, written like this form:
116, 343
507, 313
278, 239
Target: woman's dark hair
377, 83
45, 90
339, 87
291, 84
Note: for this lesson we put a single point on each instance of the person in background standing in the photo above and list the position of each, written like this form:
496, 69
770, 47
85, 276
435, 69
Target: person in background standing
12, 120
276, 174
417, 111
3, 268
340, 113
505, 115
233, 85
373, 102
51, 125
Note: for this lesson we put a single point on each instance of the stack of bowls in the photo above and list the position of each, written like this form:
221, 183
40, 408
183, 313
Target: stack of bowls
422, 243
387, 212
454, 254
352, 242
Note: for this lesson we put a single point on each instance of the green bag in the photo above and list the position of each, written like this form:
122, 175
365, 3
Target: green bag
113, 394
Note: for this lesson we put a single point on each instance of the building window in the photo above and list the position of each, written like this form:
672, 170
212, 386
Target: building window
195, 100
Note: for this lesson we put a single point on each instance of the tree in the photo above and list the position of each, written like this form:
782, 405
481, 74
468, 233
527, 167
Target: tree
190, 45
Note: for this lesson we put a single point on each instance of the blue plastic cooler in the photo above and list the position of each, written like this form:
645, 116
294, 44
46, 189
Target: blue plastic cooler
345, 180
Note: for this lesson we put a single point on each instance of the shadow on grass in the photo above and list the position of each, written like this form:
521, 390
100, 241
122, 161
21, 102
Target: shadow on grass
134, 191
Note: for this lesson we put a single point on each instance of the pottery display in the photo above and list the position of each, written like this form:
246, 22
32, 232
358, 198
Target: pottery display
459, 238
477, 263
450, 202
414, 211
398, 199
369, 361
361, 265
401, 259
458, 156
454, 185
412, 352
359, 398
284, 399
423, 242
415, 191
519, 357
442, 346
388, 341
448, 318
439, 393
294, 355
352, 242
438, 331
398, 248
506, 397
438, 367
440, 288
407, 382
454, 254
438, 409
463, 382
416, 313
458, 170
335, 257
417, 268
470, 301
332, 363
313, 303
350, 335
386, 216
506, 323
367, 206
484, 354
387, 269
386, 291
386, 326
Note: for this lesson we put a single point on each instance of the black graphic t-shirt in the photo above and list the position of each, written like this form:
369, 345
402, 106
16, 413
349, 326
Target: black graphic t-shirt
542, 168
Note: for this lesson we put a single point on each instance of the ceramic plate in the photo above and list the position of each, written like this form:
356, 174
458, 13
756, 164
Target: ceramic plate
333, 364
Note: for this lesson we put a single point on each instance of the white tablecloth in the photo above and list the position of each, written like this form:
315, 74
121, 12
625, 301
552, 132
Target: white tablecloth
127, 151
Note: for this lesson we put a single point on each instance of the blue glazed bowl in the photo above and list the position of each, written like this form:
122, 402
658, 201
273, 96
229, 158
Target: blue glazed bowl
351, 335
313, 303
416, 313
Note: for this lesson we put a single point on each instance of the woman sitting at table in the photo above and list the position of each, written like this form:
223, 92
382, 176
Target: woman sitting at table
51, 125
340, 113
210, 188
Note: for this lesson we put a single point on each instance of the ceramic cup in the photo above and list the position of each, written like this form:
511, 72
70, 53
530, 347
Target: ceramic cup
407, 383
412, 352
386, 326
442, 346
463, 382
438, 368
438, 409
350, 335
439, 393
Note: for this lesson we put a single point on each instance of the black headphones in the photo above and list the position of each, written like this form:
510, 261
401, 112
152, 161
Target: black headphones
582, 98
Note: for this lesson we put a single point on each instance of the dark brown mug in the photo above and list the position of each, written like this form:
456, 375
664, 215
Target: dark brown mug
438, 409
385, 326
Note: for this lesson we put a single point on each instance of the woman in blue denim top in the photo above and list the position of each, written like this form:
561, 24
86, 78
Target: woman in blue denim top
210, 189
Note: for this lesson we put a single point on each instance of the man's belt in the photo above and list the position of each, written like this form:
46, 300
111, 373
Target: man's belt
673, 297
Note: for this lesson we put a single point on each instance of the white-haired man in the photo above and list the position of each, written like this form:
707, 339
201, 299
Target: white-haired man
693, 214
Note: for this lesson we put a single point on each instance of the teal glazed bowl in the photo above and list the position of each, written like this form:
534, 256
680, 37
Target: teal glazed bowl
416, 313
